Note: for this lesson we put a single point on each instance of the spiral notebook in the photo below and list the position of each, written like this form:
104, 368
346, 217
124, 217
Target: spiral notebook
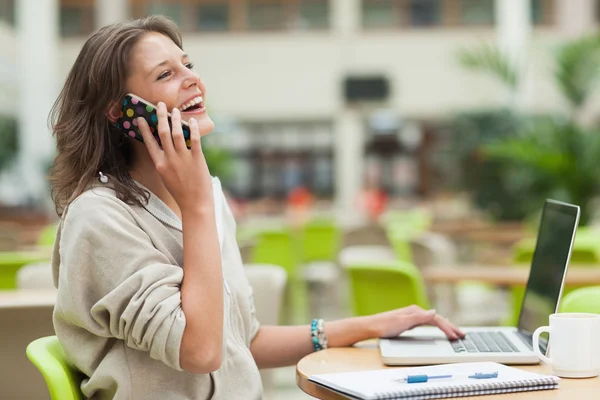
387, 383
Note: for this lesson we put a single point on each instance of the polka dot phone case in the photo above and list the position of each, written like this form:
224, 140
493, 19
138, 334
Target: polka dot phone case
133, 107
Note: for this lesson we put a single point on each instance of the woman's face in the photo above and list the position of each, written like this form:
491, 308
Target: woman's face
161, 71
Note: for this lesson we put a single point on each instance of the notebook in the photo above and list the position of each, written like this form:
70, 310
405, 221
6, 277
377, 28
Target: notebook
387, 384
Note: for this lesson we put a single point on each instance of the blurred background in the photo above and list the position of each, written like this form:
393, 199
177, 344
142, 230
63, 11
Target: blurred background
351, 135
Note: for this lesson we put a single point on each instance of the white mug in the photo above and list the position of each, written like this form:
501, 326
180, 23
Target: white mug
573, 345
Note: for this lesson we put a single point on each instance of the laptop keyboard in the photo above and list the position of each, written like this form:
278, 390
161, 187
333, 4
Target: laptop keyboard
483, 342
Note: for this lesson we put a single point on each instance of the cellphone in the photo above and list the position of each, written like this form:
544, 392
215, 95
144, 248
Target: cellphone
134, 107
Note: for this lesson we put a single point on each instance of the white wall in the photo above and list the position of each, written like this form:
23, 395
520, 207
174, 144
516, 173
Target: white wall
275, 77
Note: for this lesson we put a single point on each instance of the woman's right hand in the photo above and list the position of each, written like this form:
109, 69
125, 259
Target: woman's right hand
183, 171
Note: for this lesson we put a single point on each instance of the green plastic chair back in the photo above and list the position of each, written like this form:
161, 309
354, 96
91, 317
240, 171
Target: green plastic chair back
586, 248
276, 246
384, 286
400, 243
62, 379
320, 239
279, 246
586, 251
47, 236
585, 299
414, 220
11, 261
518, 293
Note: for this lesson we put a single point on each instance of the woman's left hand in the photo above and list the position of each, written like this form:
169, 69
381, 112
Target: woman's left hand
393, 323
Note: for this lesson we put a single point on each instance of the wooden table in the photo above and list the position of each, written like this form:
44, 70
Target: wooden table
504, 275
366, 357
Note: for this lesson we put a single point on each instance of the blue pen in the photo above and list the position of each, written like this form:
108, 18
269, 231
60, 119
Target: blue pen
425, 378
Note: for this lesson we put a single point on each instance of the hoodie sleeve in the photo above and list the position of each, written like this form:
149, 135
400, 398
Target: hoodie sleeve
113, 282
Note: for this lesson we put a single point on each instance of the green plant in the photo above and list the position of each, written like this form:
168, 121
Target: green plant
555, 156
218, 161
491, 60
8, 141
495, 185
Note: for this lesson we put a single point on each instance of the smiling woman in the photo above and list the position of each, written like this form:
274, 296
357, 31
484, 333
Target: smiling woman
152, 298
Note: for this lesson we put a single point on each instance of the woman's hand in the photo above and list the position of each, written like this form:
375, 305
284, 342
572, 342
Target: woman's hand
393, 323
183, 171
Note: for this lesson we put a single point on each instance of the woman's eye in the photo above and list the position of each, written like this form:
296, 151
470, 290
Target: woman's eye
190, 65
164, 75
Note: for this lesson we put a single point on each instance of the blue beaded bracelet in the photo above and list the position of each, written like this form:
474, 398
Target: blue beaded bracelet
318, 335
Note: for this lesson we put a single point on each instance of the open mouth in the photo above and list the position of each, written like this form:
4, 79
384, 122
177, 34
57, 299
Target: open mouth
196, 103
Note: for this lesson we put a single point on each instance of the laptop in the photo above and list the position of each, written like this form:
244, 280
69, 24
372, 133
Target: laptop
508, 345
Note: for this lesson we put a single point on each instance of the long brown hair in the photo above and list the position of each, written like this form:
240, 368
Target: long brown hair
87, 142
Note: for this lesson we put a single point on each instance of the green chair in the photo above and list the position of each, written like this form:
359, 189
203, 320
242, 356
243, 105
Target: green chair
279, 246
586, 251
385, 285
400, 243
320, 240
47, 236
12, 261
402, 227
585, 299
49, 358
276, 246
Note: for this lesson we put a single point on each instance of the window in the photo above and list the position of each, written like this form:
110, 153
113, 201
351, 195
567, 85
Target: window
7, 11
213, 16
281, 156
542, 12
173, 11
265, 15
237, 15
477, 12
313, 14
378, 14
424, 12
76, 19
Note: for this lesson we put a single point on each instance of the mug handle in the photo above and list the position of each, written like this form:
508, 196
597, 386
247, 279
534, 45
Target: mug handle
536, 344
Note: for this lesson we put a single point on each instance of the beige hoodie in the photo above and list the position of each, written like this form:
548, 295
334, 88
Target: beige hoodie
118, 313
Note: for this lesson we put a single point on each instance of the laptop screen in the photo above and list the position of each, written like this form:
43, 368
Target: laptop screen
552, 253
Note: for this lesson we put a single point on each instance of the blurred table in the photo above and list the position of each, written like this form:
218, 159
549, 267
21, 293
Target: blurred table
349, 359
504, 275
22, 298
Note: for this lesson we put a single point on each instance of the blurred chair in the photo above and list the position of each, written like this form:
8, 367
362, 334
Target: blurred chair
278, 246
320, 240
268, 285
586, 251
368, 234
47, 235
385, 285
12, 261
400, 240
431, 248
413, 220
35, 276
585, 299
586, 248
366, 253
63, 380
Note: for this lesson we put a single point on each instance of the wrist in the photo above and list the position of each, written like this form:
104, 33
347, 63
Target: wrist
197, 210
368, 326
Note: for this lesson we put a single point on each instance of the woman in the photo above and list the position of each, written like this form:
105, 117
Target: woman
152, 299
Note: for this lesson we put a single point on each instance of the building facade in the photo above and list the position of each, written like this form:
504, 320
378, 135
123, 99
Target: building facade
301, 86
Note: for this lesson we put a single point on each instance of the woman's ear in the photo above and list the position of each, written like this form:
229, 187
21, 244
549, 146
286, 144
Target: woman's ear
114, 111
